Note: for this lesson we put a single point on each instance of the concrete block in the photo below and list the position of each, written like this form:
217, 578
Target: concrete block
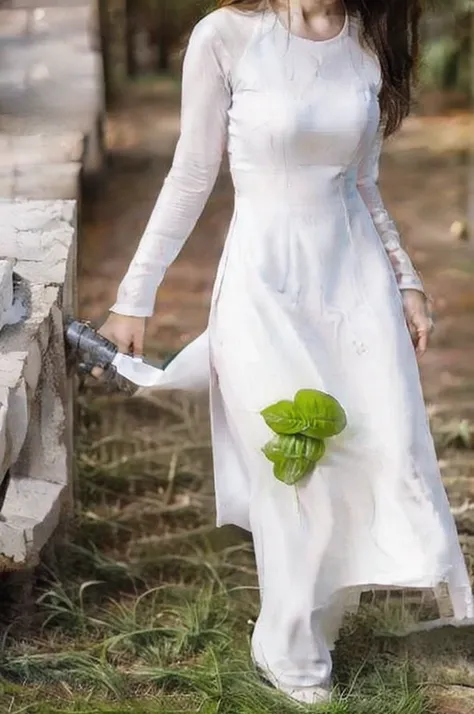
6, 290
30, 150
13, 544
13, 23
39, 236
48, 181
62, 22
7, 182
30, 514
30, 499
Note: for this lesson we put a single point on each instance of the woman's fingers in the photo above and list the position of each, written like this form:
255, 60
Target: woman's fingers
127, 333
422, 343
138, 340
424, 328
418, 317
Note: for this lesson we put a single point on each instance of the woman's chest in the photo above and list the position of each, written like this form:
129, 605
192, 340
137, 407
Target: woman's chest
311, 105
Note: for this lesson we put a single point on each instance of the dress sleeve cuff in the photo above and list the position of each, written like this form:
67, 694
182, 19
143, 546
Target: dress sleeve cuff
411, 282
130, 311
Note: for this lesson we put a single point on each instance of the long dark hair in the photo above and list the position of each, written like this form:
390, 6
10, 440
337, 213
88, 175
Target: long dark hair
390, 29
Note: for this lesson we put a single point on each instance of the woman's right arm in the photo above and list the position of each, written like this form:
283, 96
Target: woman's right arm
205, 101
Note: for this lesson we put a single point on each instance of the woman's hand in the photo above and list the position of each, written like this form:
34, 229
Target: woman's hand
128, 333
418, 319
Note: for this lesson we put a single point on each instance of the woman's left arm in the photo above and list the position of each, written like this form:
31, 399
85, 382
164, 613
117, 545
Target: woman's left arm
409, 282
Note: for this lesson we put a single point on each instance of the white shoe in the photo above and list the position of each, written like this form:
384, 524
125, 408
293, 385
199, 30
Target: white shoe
308, 695
305, 695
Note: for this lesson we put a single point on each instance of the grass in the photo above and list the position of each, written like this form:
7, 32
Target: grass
144, 607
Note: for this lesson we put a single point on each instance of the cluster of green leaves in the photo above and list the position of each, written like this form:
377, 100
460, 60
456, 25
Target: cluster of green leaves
301, 427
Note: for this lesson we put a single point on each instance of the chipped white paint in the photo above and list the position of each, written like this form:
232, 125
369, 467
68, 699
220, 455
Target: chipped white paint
35, 420
37, 238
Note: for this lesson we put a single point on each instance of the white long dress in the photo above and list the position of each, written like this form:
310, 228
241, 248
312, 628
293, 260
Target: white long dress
308, 295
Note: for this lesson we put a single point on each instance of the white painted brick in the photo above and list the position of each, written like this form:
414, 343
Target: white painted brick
45, 149
32, 499
39, 236
13, 546
30, 514
59, 180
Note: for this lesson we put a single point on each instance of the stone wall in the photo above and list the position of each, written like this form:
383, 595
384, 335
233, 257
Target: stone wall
38, 243
51, 99
51, 126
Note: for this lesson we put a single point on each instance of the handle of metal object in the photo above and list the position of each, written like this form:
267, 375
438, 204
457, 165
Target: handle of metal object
88, 348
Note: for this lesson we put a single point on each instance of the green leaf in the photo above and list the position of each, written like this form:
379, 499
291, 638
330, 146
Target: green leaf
321, 414
282, 418
293, 456
273, 451
290, 471
294, 446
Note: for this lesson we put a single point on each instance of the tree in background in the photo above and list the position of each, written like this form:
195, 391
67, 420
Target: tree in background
447, 56
112, 21
168, 21
125, 24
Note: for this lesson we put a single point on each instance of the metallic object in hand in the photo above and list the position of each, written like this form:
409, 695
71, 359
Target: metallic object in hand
87, 349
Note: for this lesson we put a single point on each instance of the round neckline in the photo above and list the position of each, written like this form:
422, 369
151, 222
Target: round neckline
341, 34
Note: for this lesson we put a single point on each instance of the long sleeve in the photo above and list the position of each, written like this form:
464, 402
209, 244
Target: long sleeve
186, 189
367, 183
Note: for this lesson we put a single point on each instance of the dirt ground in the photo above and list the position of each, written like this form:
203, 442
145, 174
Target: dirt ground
424, 181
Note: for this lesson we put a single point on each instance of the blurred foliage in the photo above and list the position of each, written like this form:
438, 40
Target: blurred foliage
148, 35
446, 66
447, 59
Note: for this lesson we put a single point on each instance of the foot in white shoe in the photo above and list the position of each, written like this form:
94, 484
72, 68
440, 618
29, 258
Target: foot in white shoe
308, 695
305, 695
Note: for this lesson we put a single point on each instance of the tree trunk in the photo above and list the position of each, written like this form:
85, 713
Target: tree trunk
113, 39
164, 37
130, 30
103, 20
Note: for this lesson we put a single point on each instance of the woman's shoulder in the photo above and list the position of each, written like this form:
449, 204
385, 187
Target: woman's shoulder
226, 20
228, 28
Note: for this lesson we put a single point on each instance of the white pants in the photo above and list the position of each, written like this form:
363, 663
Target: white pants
292, 640
294, 652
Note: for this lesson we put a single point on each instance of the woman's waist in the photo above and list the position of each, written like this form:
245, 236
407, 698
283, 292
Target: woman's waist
309, 188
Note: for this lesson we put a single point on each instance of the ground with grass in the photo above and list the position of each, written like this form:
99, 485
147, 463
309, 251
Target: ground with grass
144, 607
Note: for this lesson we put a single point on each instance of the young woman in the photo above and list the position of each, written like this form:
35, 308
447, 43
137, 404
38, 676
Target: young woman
314, 291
